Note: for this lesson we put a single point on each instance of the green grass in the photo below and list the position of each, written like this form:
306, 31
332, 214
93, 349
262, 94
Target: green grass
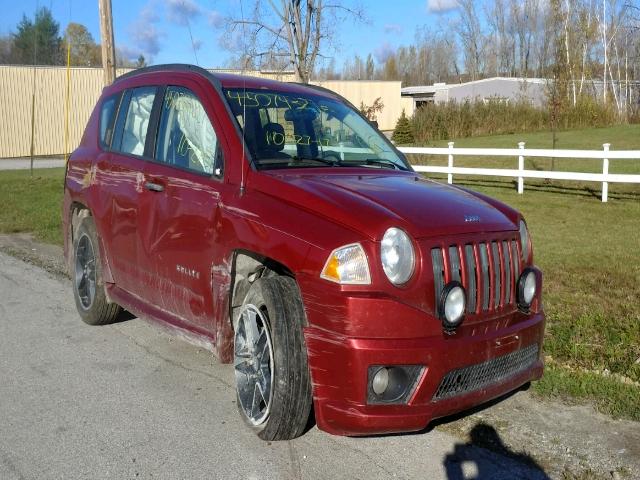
589, 253
606, 393
32, 204
621, 137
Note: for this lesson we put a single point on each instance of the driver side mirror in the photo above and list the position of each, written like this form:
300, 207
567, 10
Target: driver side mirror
374, 123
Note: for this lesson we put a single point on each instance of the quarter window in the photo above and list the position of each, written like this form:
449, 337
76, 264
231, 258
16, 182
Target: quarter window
107, 111
134, 134
186, 137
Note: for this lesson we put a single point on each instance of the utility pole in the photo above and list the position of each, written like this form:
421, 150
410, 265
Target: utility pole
107, 43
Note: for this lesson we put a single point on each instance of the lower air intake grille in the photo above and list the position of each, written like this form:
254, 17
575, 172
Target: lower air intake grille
475, 377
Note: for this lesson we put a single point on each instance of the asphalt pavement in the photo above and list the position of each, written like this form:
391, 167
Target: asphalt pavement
24, 163
130, 401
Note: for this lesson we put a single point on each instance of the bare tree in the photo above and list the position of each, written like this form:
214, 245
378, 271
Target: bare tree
472, 38
586, 48
502, 41
354, 69
291, 29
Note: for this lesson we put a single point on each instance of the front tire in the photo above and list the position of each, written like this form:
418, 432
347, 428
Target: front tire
88, 287
273, 385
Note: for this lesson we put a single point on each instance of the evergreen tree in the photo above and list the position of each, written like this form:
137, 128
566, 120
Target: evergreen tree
403, 133
37, 42
6, 49
142, 62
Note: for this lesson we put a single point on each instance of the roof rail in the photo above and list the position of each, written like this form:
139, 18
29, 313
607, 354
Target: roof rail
172, 67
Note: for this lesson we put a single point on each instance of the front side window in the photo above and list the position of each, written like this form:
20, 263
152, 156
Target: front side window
134, 133
286, 130
186, 137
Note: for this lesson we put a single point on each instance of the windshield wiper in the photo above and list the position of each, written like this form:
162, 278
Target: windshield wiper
378, 161
326, 161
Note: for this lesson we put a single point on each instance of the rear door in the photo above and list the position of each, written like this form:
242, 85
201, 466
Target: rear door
179, 210
120, 177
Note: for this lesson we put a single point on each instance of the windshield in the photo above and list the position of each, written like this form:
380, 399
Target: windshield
293, 130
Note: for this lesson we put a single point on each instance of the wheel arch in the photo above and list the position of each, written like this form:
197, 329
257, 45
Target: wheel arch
77, 212
247, 266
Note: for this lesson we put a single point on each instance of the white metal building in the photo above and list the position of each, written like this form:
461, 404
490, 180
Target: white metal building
497, 88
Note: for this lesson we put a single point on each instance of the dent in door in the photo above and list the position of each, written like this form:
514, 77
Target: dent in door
177, 236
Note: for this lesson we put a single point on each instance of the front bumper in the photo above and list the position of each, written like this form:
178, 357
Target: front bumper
339, 366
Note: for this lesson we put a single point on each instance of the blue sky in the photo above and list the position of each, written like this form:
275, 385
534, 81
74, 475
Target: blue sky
158, 28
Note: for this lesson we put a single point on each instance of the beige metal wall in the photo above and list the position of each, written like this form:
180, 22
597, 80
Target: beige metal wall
366, 91
408, 105
16, 87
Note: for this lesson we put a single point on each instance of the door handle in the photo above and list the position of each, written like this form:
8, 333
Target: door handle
154, 187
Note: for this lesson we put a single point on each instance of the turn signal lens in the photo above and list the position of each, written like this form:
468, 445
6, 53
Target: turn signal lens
524, 240
348, 266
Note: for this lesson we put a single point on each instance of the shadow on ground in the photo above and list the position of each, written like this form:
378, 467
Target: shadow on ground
468, 462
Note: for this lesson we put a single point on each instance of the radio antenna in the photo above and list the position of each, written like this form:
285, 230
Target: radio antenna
193, 45
244, 98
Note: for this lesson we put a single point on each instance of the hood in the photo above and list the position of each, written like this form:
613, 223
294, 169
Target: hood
372, 202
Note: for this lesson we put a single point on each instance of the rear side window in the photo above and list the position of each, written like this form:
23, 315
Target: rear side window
107, 114
186, 137
136, 124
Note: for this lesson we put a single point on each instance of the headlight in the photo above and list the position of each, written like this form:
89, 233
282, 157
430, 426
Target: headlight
348, 266
452, 305
526, 288
398, 257
524, 240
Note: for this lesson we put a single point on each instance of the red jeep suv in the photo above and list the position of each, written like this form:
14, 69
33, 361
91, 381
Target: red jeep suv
275, 223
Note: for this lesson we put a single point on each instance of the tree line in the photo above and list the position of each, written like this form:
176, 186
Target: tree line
585, 47
588, 47
37, 41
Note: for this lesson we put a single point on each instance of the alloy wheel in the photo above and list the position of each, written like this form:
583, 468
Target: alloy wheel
253, 364
85, 272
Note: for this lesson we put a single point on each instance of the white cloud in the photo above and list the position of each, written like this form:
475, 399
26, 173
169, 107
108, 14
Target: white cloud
216, 19
182, 12
393, 28
143, 31
441, 6
128, 53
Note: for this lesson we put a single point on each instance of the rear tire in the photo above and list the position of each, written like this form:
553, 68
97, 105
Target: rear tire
273, 394
86, 274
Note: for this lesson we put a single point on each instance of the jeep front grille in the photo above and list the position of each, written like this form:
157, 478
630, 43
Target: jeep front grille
488, 271
475, 377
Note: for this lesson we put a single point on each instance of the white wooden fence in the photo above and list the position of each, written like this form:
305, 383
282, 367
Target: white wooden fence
520, 173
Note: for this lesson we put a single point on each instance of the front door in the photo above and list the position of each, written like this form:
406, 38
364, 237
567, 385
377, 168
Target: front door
179, 208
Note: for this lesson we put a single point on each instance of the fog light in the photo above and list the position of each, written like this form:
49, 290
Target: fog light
392, 383
452, 305
526, 288
380, 381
